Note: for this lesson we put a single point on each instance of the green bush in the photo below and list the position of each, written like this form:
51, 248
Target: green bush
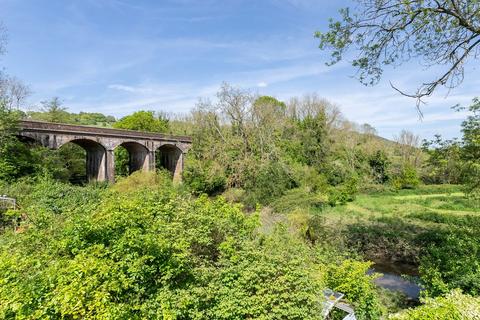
472, 183
451, 261
309, 178
343, 193
299, 199
407, 178
349, 277
204, 177
454, 306
271, 181
379, 164
270, 278
146, 250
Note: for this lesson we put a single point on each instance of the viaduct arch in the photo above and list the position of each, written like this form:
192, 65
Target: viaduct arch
100, 143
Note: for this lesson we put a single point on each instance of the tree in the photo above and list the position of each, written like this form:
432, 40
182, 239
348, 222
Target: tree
13, 91
15, 158
143, 121
54, 111
444, 163
391, 32
408, 146
471, 131
471, 147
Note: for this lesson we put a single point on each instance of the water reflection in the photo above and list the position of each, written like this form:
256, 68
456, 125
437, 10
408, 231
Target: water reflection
392, 278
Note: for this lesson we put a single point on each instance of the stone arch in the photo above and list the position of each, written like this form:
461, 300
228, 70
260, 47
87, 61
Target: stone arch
28, 140
170, 157
138, 155
96, 158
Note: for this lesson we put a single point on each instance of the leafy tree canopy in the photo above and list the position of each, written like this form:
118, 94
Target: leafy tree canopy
143, 121
390, 32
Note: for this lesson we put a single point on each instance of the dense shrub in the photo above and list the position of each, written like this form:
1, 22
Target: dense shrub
299, 199
150, 251
350, 278
407, 178
270, 182
344, 192
272, 279
204, 177
454, 306
379, 164
452, 260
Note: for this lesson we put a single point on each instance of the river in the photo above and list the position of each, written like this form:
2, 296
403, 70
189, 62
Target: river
392, 278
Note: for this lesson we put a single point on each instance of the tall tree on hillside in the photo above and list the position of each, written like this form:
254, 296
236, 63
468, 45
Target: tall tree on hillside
54, 111
391, 32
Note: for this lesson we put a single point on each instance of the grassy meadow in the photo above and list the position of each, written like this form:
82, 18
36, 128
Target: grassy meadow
397, 226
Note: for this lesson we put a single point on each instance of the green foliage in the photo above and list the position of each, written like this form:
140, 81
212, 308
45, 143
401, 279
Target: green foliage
54, 111
19, 159
73, 160
122, 162
453, 306
144, 250
471, 149
15, 157
269, 182
262, 281
313, 140
204, 176
407, 178
379, 164
452, 260
444, 163
350, 278
471, 132
299, 198
343, 193
15, 160
143, 121
433, 29
309, 178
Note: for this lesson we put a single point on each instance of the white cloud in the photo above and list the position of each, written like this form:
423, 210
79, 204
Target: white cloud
122, 87
262, 84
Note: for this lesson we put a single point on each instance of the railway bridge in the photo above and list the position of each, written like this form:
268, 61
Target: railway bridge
99, 145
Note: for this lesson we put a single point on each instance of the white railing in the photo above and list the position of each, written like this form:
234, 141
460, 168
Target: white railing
334, 300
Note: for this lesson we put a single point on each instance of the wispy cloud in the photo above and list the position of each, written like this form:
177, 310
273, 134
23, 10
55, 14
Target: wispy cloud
262, 84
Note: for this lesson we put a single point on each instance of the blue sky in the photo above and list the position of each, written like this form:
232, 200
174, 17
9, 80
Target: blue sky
118, 56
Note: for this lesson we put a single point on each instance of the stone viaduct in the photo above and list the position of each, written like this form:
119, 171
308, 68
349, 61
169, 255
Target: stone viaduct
100, 143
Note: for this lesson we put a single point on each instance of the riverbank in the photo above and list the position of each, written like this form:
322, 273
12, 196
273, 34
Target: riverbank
402, 232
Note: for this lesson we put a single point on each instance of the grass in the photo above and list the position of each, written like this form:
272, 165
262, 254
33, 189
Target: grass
394, 225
